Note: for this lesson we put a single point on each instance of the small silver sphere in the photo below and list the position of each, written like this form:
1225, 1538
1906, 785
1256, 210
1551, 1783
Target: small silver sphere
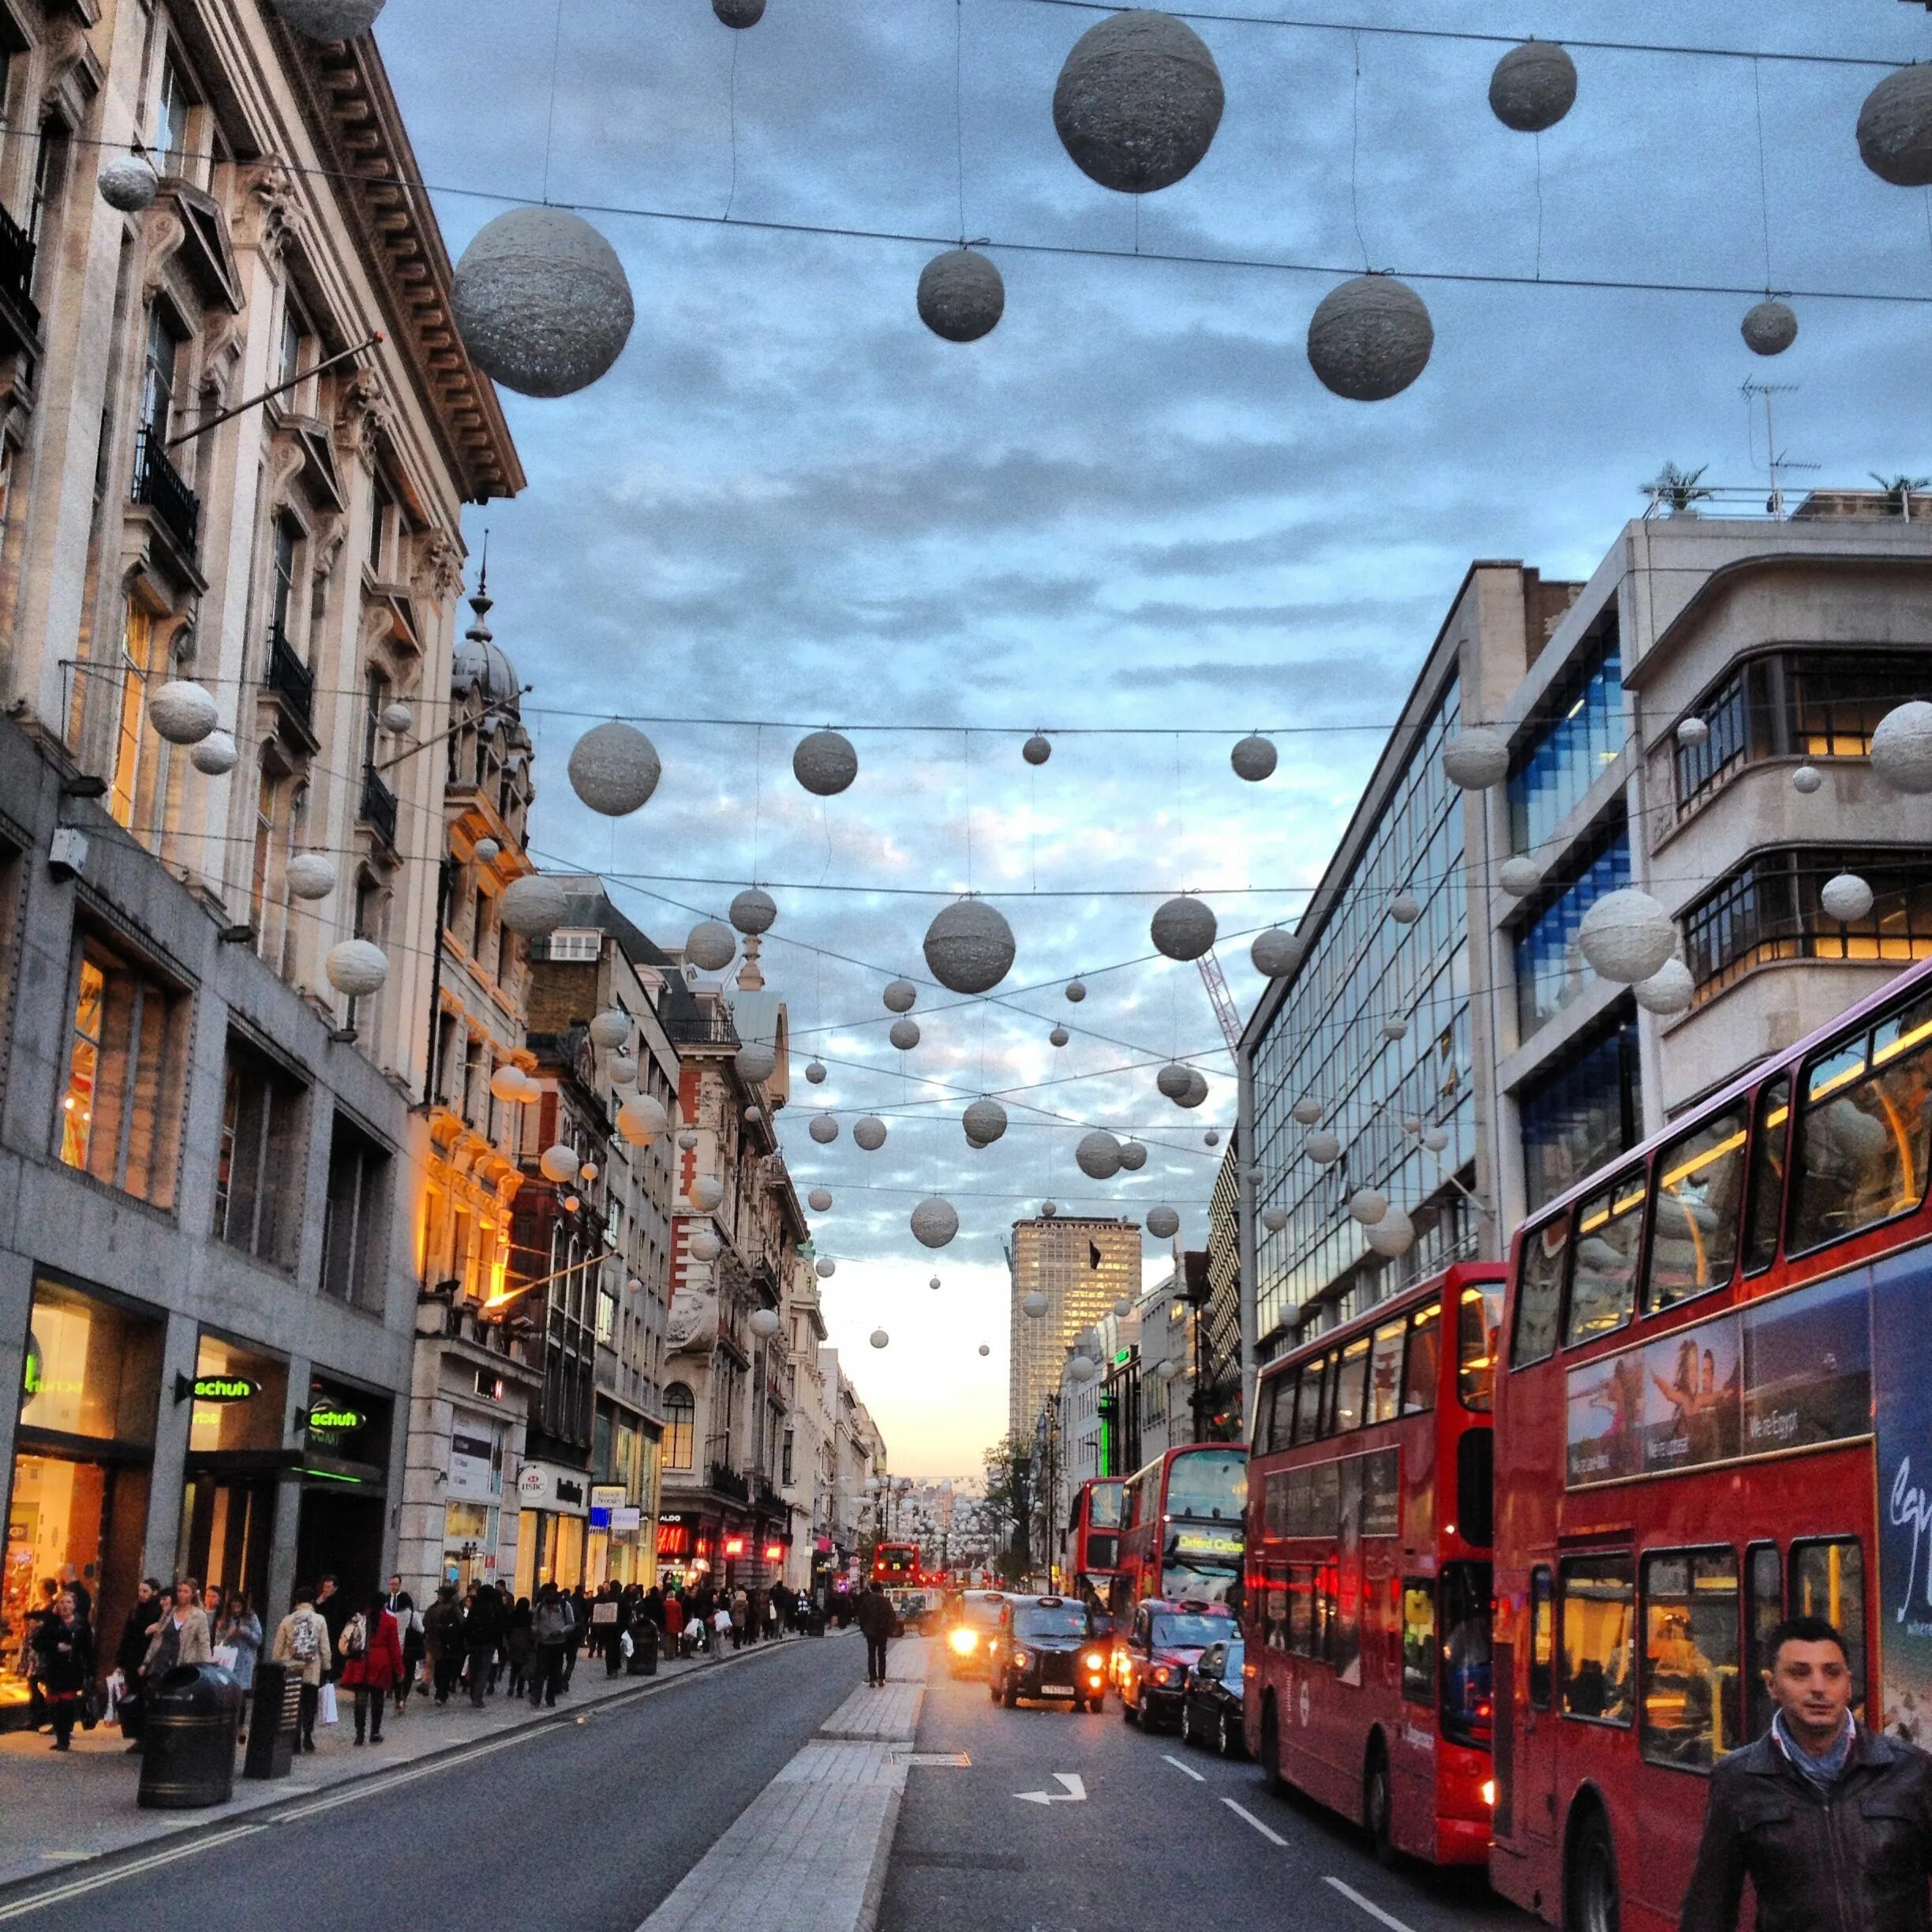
1183, 929
710, 945
1769, 328
900, 996
1037, 750
614, 769
739, 13
329, 19
533, 905
753, 911
904, 1034
1532, 87
824, 763
961, 297
1138, 101
128, 182
1254, 758
1370, 339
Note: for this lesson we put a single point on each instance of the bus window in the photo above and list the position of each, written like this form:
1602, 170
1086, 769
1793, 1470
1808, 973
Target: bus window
1332, 1380
1208, 1484
1866, 1131
1479, 1325
1690, 1658
1104, 1511
1418, 1650
1301, 1609
1538, 1290
1425, 1360
1767, 1177
1308, 1403
1827, 1581
1542, 1638
1597, 1608
1352, 1390
1468, 1708
1609, 1232
1385, 1367
1274, 1610
1764, 1610
1276, 1429
1694, 1221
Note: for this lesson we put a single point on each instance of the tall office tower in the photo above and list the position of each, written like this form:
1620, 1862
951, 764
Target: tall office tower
1082, 1268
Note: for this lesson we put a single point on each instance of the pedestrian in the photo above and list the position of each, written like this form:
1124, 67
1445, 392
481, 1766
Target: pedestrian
517, 1641
64, 1663
302, 1641
740, 1617
402, 1606
774, 1622
372, 1663
239, 1636
614, 1634
181, 1636
577, 1603
136, 1633
720, 1630
84, 1598
483, 1631
550, 1634
674, 1623
875, 1621
442, 1641
1830, 1821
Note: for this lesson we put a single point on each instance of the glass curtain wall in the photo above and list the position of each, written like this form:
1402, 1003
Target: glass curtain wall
1577, 731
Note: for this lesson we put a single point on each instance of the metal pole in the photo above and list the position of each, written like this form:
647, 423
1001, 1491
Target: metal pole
228, 415
1241, 1154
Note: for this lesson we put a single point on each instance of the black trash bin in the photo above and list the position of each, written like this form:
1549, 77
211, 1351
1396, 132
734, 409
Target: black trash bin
272, 1721
815, 1623
643, 1660
188, 1751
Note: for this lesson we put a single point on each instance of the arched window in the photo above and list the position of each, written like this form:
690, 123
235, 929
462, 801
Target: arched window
680, 1426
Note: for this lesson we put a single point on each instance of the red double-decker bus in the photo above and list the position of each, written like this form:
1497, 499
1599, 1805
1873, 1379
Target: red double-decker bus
1182, 1522
1367, 1608
1095, 1531
1716, 1413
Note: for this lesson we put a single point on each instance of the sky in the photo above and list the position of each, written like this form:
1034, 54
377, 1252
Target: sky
1130, 516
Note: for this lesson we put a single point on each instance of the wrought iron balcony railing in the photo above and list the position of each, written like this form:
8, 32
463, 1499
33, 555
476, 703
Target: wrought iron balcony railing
159, 486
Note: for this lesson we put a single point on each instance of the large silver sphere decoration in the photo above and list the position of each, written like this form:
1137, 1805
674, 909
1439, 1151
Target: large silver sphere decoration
1076, 991
1133, 1157
1370, 339
764, 1322
1276, 952
1404, 908
1275, 1220
1368, 1205
1196, 1089
687, 1137
356, 966
1048, 1210
739, 13
1626, 936
710, 946
1037, 750
1394, 1028
128, 182
900, 996
1846, 898
1435, 1139
879, 1338
1083, 1369
182, 712
507, 1084
610, 1029
623, 1069
1324, 1147
329, 19
1033, 1305
815, 1073
541, 302
707, 1193
824, 763
1668, 991
1211, 1138
1058, 1037
533, 905
1476, 758
1183, 928
1519, 876
1532, 87
1162, 1223
1807, 780
985, 1348
1307, 1110
824, 1128
1895, 128
1138, 101
904, 1034
1254, 758
961, 296
397, 718
215, 754
934, 1223
824, 1268
1174, 1079
1394, 1234
1901, 746
869, 1133
969, 947
1769, 328
486, 851
820, 1201
985, 1121
1098, 1155
755, 1061
1123, 1306
705, 1245
614, 768
753, 911
1693, 732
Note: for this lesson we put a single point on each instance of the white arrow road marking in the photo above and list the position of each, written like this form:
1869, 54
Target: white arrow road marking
1075, 1793
1368, 1905
1186, 1770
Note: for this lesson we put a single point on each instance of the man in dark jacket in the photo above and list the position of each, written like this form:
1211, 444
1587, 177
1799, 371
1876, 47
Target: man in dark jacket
484, 1627
876, 1620
1832, 1823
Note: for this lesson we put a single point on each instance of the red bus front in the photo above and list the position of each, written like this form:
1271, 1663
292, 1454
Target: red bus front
1096, 1534
1366, 1611
1182, 1524
1716, 1415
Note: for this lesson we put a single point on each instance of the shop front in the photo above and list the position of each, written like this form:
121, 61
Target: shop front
78, 1490
238, 1460
684, 1558
473, 1506
553, 1516
343, 1470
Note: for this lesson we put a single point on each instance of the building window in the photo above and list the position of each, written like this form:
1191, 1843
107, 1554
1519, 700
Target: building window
120, 1119
1768, 909
784, 1476
294, 334
282, 584
380, 502
1577, 731
260, 1167
355, 1222
130, 742
173, 115
574, 947
1550, 968
1581, 1111
680, 1429
159, 373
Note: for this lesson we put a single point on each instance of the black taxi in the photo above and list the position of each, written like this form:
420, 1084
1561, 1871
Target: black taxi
1047, 1647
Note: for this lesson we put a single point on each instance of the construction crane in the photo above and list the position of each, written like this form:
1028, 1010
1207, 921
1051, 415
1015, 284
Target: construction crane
1216, 983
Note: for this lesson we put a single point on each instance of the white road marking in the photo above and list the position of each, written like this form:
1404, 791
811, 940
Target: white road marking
1074, 1793
1368, 1905
1186, 1770
1267, 1832
75, 1888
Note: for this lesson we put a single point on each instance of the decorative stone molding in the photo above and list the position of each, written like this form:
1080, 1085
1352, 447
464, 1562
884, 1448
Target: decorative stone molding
267, 214
362, 416
439, 572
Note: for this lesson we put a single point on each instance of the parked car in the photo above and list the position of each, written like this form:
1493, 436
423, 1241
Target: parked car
972, 1622
1211, 1705
1047, 1647
1165, 1642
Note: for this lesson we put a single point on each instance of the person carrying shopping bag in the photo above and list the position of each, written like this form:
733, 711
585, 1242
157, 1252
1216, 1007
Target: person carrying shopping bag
302, 1641
372, 1664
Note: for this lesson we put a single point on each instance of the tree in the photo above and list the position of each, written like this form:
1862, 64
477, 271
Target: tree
1898, 489
1010, 1504
1679, 491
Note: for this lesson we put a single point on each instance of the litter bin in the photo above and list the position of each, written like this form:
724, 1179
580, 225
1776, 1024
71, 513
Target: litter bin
643, 1661
188, 1751
272, 1722
815, 1623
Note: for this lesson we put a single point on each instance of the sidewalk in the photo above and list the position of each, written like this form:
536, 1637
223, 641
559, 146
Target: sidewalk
61, 1809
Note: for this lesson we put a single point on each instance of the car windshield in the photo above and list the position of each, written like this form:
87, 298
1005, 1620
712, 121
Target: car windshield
1036, 1620
984, 1611
1189, 1631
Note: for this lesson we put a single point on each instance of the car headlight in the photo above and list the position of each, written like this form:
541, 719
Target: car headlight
1020, 1659
964, 1642
1094, 1660
1488, 1792
1160, 1674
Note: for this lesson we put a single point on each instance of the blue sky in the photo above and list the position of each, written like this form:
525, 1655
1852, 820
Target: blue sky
1131, 508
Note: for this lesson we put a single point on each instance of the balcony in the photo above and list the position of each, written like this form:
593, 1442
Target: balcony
17, 275
379, 807
291, 683
158, 487
726, 1482
709, 1026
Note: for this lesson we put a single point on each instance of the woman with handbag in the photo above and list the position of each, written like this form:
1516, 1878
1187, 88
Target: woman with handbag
135, 1634
239, 1638
372, 1664
63, 1651
409, 1621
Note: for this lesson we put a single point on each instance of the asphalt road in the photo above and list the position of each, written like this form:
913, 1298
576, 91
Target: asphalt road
1157, 1841
585, 1824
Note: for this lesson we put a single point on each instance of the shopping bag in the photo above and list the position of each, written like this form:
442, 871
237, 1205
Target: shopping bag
225, 1657
326, 1710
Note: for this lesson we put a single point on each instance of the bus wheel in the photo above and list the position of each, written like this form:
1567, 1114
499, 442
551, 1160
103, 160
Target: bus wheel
1590, 1886
1270, 1748
1379, 1805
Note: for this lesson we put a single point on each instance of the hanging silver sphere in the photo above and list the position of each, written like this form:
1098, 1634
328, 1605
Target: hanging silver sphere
1370, 339
1276, 952
1033, 1305
815, 1073
961, 296
357, 968
1048, 1210
215, 754
1196, 1089
904, 1034
756, 1062
1769, 328
934, 1223
1037, 750
1901, 745
1847, 898
1324, 1147
1133, 1157
397, 718
739, 13
1275, 1220
533, 905
824, 763
1669, 990
614, 769
710, 945
879, 1338
985, 1121
1307, 1110
1895, 128
1532, 87
182, 712
1394, 1234
486, 851
1058, 1037
1519, 876
610, 1029
1174, 1079
1138, 101
1807, 780
824, 1128
1626, 936
869, 1133
1254, 758
764, 1322
707, 1193
1211, 1138
1476, 758
1098, 1155
310, 875
1693, 732
824, 1268
900, 996
984, 1349
1162, 1223
820, 1199
623, 1069
1404, 908
329, 19
1184, 928
1368, 1205
128, 182
969, 947
753, 911
1076, 991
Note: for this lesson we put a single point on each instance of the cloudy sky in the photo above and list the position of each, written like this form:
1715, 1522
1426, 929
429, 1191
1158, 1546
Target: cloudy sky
1132, 508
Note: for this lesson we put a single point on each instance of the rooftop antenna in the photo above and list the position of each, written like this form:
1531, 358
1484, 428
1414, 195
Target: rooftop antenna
1777, 462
